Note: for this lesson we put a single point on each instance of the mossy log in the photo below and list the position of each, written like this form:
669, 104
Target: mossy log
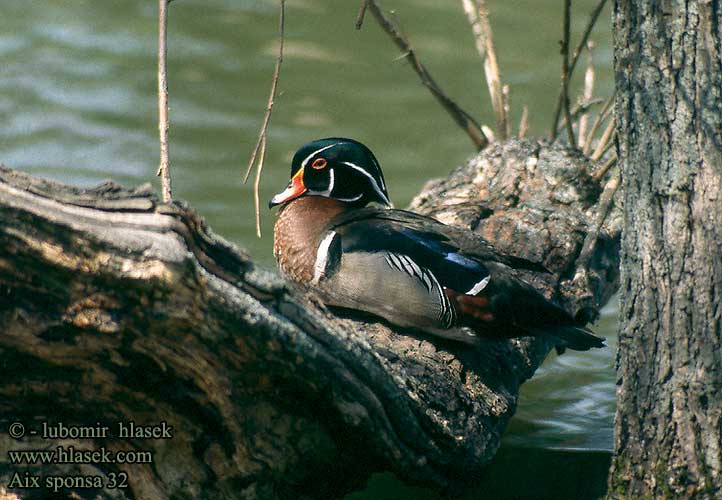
117, 308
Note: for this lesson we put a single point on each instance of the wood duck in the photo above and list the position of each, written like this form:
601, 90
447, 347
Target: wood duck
409, 269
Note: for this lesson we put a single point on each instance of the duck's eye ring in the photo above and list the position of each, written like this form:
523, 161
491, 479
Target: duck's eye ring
319, 163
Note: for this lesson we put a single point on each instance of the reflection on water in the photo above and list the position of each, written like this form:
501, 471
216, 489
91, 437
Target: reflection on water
77, 103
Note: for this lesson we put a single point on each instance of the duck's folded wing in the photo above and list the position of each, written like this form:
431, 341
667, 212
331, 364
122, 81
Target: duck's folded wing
462, 240
411, 243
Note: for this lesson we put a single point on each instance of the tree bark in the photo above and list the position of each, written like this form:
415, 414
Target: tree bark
116, 308
668, 68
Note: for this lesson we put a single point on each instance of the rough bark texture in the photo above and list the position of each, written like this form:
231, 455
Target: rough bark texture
668, 68
117, 308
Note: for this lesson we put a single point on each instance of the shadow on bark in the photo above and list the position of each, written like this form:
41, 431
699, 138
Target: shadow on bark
117, 308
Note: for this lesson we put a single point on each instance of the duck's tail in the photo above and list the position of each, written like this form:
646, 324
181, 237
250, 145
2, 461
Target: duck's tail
573, 337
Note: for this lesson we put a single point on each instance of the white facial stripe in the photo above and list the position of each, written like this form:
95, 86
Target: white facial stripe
349, 200
479, 286
322, 257
381, 178
331, 180
305, 161
327, 192
370, 177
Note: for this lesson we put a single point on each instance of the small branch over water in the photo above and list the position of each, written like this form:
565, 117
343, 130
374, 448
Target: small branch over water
461, 117
164, 166
524, 122
259, 151
586, 96
478, 17
603, 114
593, 17
566, 73
361, 14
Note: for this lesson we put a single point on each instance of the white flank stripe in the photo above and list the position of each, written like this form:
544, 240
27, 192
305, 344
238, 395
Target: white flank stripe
322, 257
479, 286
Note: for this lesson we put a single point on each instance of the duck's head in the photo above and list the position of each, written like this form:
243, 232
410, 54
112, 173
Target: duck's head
341, 169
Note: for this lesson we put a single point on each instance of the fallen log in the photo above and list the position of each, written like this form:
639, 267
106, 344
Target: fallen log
118, 309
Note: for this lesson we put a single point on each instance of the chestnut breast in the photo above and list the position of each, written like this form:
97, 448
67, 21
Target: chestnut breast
299, 229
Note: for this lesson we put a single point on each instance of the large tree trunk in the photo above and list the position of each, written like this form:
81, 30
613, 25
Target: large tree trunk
114, 307
668, 441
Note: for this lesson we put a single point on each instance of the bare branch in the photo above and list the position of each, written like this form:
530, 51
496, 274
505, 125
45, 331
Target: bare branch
163, 122
595, 126
505, 108
585, 36
461, 117
478, 17
488, 133
257, 185
586, 96
580, 109
604, 207
582, 42
361, 14
565, 72
524, 122
605, 142
260, 149
599, 174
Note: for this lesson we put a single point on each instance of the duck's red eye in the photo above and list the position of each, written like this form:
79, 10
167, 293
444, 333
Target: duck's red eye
319, 163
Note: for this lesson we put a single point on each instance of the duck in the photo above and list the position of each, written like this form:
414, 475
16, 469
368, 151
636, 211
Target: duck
337, 233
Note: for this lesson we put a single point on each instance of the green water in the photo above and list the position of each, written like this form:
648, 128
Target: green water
78, 104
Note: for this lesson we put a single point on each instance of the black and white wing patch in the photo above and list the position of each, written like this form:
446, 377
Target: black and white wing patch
430, 249
406, 264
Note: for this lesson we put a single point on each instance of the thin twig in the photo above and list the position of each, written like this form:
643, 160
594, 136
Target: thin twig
461, 117
488, 133
260, 148
163, 122
565, 72
599, 174
257, 186
583, 107
586, 95
505, 108
271, 95
604, 142
612, 140
595, 126
361, 14
524, 122
605, 204
580, 109
585, 36
478, 17
582, 42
